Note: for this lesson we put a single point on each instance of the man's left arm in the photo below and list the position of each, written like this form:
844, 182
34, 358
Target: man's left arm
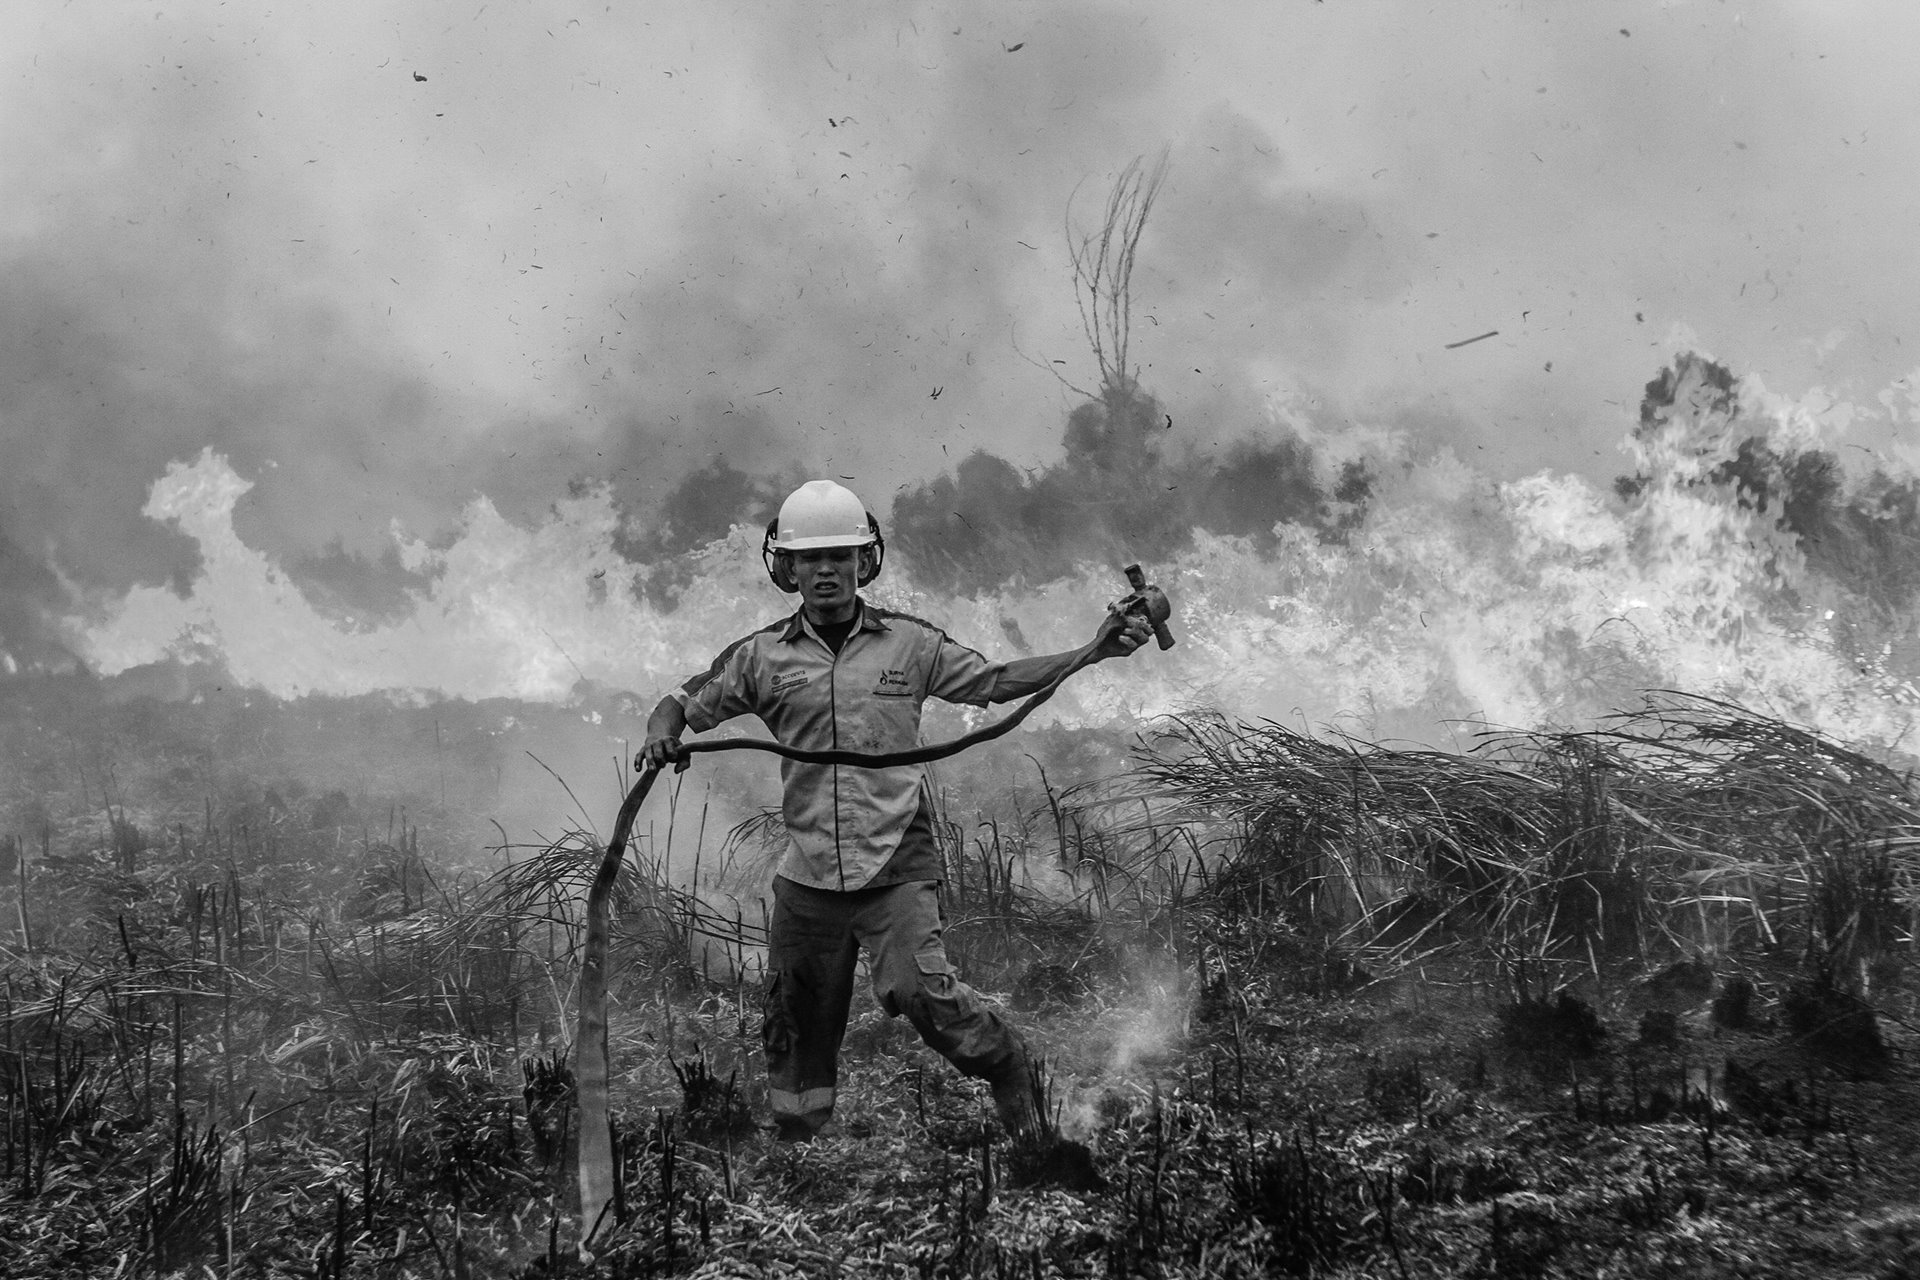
1119, 635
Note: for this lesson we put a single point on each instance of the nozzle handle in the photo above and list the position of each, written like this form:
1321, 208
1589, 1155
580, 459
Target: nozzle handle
1150, 602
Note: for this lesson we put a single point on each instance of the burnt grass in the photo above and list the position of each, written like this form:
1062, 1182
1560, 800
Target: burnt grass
251, 1043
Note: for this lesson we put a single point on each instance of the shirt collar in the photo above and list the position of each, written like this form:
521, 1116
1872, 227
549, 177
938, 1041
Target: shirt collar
869, 621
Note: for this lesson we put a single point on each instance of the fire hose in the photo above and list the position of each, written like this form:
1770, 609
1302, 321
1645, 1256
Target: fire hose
598, 1179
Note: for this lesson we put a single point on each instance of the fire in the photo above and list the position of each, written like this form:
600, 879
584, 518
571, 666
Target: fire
1539, 601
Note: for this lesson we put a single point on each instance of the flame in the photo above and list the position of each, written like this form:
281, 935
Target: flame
512, 612
1534, 602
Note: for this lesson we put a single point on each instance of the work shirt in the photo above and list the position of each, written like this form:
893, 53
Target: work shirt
844, 822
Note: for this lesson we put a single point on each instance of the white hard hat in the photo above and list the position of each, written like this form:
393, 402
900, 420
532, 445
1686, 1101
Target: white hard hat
821, 513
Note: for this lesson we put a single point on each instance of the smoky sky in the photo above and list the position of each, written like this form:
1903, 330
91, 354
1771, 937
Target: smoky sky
390, 258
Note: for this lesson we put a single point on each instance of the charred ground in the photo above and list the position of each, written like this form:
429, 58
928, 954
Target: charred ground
1630, 1002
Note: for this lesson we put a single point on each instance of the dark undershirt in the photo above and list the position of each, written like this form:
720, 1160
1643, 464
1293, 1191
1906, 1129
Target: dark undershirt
835, 633
917, 858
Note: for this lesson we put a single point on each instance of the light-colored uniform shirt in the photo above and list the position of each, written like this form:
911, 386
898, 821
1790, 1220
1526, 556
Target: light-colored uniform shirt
843, 822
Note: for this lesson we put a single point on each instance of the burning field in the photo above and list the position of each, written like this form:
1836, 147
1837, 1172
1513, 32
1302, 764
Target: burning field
1497, 879
1509, 872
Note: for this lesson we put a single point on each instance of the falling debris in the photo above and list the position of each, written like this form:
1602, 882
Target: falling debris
1479, 337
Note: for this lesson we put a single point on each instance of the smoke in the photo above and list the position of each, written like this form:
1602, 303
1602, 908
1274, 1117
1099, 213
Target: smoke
1858, 534
133, 338
1839, 545
701, 509
1119, 494
386, 362
339, 270
27, 586
355, 590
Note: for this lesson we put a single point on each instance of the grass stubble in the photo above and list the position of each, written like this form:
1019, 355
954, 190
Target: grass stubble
1633, 1002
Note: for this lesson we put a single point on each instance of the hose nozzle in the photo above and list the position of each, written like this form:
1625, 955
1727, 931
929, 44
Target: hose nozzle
1150, 602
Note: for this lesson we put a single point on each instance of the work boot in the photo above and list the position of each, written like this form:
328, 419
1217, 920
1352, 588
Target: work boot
1016, 1095
1040, 1156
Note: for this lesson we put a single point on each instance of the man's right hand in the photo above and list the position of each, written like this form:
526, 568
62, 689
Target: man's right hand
658, 753
663, 746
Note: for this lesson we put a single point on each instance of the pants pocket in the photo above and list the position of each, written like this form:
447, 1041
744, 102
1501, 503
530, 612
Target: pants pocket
946, 999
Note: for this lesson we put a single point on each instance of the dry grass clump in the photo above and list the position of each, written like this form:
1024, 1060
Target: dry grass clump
1691, 825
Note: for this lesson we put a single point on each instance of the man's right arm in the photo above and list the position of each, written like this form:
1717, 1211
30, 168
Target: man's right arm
723, 691
664, 727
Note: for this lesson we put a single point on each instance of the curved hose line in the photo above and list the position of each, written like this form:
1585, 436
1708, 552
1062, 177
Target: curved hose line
591, 1057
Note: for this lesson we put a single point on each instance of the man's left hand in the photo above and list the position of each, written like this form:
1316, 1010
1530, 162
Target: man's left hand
1119, 635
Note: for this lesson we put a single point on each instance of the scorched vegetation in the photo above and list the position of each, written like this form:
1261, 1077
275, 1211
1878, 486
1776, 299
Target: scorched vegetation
1628, 1002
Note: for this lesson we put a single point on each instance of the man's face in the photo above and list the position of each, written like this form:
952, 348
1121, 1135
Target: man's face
827, 578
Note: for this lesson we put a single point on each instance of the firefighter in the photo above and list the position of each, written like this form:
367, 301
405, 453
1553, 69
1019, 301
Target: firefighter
861, 867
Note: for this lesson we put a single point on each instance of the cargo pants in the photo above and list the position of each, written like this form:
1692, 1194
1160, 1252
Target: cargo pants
814, 938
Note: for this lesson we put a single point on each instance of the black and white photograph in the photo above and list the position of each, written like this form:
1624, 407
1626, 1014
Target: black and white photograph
959, 641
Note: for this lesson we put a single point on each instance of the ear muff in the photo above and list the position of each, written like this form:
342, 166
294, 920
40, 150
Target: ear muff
779, 563
872, 557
